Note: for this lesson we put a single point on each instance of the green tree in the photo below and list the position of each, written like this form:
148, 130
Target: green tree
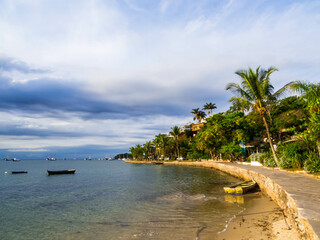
209, 139
137, 152
201, 115
198, 114
256, 92
161, 141
175, 133
195, 112
209, 107
310, 92
222, 133
289, 118
148, 146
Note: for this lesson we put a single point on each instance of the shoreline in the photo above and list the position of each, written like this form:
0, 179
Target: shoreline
269, 226
263, 220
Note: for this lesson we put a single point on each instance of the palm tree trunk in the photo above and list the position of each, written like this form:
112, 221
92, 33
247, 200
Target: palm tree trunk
318, 145
178, 150
211, 154
270, 141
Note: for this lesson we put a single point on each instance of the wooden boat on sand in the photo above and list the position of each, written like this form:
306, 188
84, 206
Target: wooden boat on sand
241, 188
70, 171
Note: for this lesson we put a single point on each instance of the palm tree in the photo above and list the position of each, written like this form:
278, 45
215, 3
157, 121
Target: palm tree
132, 150
311, 93
209, 106
239, 106
161, 141
256, 92
201, 115
175, 133
195, 112
198, 114
148, 147
137, 152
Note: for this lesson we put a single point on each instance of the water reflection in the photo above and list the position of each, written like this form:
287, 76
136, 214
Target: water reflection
234, 198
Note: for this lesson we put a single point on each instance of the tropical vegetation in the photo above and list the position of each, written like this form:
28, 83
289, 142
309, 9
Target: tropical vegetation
260, 125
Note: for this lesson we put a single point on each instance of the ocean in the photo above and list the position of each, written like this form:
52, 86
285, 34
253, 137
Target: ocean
113, 200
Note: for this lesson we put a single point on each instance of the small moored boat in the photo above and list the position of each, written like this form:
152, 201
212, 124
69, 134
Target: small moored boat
18, 172
70, 171
157, 163
241, 188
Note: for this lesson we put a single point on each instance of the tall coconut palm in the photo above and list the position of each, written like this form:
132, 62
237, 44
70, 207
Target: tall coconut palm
137, 152
256, 92
209, 107
311, 93
198, 114
175, 133
195, 112
148, 148
161, 141
132, 150
201, 115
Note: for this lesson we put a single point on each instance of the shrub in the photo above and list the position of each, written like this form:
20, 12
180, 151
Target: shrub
256, 157
232, 149
268, 159
312, 163
195, 155
264, 158
292, 155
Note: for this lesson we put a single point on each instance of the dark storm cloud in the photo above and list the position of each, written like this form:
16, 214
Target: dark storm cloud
17, 130
58, 98
48, 96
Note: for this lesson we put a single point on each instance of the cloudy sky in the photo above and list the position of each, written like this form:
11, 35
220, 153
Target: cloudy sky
94, 77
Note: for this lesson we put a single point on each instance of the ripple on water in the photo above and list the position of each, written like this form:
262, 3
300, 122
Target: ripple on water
114, 200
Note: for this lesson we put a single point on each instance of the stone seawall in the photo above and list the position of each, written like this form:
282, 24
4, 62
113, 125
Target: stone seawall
267, 185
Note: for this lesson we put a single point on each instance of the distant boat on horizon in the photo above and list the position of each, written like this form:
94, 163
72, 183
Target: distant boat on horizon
12, 159
51, 159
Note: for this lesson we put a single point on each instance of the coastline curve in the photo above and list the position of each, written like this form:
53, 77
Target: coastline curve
299, 217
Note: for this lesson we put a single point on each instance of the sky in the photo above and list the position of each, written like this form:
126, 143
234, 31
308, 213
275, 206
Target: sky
83, 78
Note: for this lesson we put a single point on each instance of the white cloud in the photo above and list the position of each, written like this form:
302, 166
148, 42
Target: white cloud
134, 59
94, 43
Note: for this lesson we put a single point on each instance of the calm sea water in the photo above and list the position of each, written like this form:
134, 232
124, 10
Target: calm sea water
113, 200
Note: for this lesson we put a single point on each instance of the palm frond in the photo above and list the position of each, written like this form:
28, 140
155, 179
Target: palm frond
240, 103
300, 86
282, 90
239, 91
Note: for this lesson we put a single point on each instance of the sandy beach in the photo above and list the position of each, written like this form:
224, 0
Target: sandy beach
262, 220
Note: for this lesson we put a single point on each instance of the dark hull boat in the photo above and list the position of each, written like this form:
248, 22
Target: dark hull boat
18, 172
70, 171
157, 163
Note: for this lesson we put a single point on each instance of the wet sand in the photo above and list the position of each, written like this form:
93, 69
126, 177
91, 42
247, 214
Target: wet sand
262, 220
